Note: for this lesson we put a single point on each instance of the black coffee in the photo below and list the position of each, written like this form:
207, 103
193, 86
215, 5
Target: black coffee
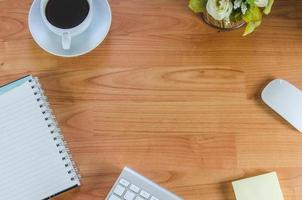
66, 13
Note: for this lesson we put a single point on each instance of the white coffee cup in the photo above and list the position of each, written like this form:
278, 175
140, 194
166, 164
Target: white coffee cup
67, 34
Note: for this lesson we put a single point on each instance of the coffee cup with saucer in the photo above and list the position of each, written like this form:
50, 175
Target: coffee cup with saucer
70, 42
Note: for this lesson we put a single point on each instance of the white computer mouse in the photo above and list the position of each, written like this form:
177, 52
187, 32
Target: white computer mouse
285, 99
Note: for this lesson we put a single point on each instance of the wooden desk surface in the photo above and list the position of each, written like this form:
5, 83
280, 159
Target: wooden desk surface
170, 97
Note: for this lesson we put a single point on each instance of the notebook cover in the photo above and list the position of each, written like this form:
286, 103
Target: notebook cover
11, 85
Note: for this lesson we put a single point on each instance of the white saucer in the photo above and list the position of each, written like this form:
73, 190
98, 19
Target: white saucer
81, 44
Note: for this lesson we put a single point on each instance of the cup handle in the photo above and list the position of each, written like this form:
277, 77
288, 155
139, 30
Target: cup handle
66, 40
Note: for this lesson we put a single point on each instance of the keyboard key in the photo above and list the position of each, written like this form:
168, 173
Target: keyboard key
145, 194
129, 195
119, 190
113, 197
124, 182
134, 188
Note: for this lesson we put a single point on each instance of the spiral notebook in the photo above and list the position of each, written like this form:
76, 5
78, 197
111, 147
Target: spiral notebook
35, 162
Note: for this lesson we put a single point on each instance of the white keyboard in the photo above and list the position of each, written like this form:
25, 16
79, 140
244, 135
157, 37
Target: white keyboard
132, 186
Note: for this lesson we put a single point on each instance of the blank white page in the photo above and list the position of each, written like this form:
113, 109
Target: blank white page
31, 167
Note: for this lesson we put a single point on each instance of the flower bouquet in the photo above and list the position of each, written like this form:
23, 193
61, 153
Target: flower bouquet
229, 14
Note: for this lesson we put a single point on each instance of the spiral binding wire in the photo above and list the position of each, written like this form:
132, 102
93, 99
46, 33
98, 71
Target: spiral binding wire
55, 131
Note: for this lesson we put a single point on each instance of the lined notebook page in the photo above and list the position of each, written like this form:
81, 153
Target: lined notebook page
31, 167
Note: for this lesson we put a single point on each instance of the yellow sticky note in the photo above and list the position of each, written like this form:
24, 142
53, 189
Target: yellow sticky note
263, 187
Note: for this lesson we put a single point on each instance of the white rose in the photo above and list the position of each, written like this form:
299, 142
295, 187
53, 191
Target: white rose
243, 8
220, 9
261, 3
237, 4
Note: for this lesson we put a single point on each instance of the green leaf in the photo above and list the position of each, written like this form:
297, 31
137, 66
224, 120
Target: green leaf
197, 6
251, 2
253, 18
268, 8
253, 14
250, 27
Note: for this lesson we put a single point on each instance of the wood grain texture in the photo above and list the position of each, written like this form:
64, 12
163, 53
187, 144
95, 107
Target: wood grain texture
169, 96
